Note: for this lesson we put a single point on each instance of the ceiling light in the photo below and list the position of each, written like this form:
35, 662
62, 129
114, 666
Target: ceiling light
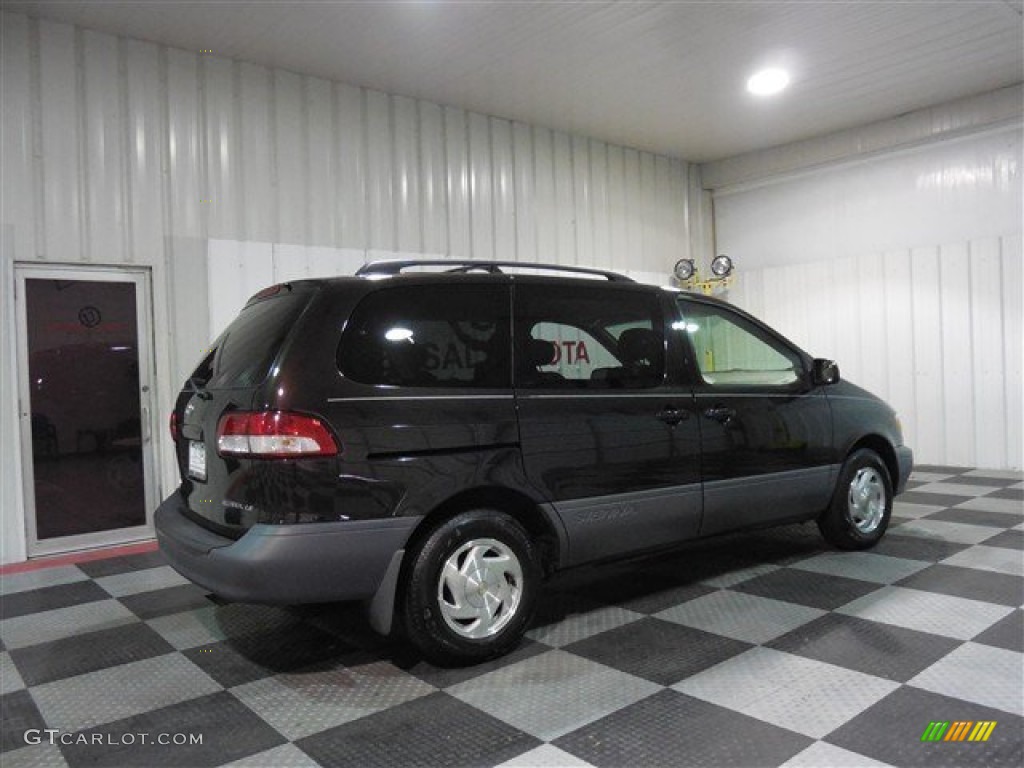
768, 82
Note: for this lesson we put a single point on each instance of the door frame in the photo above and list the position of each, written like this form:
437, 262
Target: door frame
141, 278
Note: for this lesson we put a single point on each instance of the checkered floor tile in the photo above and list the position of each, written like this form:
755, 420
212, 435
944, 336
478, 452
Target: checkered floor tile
766, 649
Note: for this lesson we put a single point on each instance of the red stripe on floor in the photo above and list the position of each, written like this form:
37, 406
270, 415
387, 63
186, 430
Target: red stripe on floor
79, 557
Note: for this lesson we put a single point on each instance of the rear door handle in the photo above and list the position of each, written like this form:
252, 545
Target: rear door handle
720, 413
672, 416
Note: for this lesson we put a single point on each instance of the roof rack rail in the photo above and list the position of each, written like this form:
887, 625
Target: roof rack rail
395, 267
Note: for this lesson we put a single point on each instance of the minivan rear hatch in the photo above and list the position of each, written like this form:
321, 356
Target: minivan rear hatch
221, 492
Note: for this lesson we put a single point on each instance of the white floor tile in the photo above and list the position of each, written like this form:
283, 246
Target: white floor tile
583, 625
552, 694
929, 477
741, 616
986, 504
301, 704
44, 577
135, 582
285, 756
803, 695
955, 489
944, 615
958, 533
34, 628
189, 629
821, 754
907, 509
866, 566
85, 701
44, 755
998, 474
995, 559
545, 756
10, 678
993, 677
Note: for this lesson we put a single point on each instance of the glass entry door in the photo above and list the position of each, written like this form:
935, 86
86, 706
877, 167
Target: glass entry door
86, 429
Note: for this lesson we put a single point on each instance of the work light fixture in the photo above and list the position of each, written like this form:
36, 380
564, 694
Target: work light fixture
688, 277
721, 266
684, 270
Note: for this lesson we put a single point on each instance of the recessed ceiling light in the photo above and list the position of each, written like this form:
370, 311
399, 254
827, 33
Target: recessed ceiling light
768, 82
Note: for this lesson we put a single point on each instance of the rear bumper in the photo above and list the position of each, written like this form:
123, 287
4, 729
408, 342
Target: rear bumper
285, 564
905, 462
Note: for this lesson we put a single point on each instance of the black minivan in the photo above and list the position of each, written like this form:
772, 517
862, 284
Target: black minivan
436, 444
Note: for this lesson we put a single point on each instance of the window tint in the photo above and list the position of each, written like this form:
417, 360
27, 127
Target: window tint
588, 338
732, 352
245, 351
430, 336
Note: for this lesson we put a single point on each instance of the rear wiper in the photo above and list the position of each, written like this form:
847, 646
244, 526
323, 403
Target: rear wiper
199, 387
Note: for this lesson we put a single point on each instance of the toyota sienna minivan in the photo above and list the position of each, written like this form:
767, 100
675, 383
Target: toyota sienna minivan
437, 444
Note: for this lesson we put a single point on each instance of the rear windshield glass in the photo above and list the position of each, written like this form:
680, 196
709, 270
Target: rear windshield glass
430, 336
245, 351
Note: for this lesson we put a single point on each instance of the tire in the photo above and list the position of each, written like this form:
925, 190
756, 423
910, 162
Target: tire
470, 588
861, 505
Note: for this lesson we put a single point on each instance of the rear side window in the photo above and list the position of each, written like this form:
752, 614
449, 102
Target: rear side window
588, 338
430, 336
246, 350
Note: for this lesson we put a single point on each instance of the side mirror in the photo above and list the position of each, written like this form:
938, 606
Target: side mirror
824, 372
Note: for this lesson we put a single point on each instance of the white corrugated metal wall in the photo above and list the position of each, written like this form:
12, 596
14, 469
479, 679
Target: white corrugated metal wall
117, 151
904, 265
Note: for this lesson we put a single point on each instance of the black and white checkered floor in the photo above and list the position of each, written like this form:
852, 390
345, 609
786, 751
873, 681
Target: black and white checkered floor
764, 649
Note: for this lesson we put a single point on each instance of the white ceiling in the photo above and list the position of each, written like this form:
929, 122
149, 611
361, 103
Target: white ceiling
662, 76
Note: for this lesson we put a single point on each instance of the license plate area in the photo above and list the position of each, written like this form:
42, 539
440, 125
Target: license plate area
197, 460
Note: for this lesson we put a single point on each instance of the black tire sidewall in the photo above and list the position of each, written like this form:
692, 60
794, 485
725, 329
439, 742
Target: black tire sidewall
425, 628
836, 524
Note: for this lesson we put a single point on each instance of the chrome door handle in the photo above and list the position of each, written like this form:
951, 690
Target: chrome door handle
720, 413
672, 416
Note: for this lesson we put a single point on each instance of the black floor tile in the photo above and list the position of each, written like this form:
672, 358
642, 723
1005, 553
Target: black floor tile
941, 469
162, 602
279, 650
1007, 540
436, 730
817, 590
50, 598
115, 565
19, 714
784, 545
1013, 494
1007, 633
976, 517
991, 482
80, 654
229, 731
933, 499
656, 650
882, 650
891, 731
917, 547
670, 729
443, 677
659, 600
968, 582
642, 587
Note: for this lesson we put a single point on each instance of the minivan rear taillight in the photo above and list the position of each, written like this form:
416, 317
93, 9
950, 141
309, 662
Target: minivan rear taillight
175, 430
273, 434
